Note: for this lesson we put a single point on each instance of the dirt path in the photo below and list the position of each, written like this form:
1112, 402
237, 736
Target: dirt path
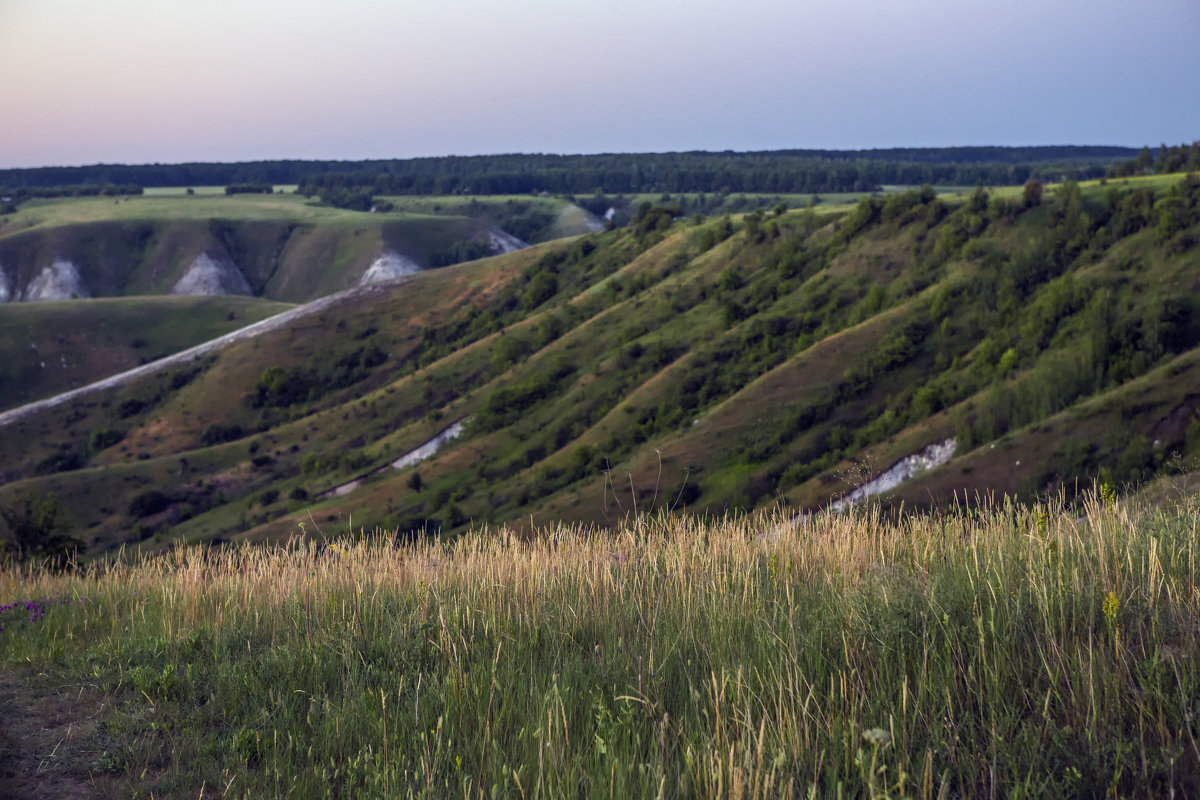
248, 332
51, 740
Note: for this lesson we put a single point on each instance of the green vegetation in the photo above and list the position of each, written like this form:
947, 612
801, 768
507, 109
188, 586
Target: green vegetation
765, 171
1182, 158
530, 218
287, 247
249, 188
34, 530
1011, 650
789, 171
712, 353
773, 357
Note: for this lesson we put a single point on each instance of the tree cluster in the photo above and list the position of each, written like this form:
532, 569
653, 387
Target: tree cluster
1180, 158
249, 188
348, 198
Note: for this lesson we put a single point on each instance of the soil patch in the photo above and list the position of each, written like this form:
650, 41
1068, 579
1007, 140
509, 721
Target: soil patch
51, 740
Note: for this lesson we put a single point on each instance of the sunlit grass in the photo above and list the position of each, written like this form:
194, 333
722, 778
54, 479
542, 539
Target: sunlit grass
1028, 651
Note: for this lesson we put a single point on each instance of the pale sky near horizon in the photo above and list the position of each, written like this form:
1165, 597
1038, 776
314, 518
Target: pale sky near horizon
141, 81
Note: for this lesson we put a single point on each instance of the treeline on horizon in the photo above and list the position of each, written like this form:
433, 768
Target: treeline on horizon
774, 172
777, 171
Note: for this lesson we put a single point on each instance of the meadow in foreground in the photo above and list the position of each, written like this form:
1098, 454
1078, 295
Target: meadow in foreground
1015, 651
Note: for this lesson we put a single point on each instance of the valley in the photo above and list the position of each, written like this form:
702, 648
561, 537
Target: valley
778, 358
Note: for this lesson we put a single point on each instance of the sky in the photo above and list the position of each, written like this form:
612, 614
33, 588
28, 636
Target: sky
144, 81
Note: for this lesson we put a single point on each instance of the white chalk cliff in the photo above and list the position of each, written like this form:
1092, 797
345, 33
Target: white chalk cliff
389, 265
504, 242
932, 456
59, 281
212, 276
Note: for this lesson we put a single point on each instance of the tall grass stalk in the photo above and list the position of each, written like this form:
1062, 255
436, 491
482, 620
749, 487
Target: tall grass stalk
1013, 651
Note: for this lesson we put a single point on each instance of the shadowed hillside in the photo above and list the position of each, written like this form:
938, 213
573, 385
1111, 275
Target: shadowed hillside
48, 348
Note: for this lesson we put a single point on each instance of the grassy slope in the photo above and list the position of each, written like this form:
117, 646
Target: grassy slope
1018, 651
289, 247
48, 348
182, 405
766, 367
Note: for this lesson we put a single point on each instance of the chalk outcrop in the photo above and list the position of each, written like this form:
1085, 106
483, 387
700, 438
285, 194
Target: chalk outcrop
414, 456
388, 266
212, 276
419, 454
932, 456
504, 242
59, 281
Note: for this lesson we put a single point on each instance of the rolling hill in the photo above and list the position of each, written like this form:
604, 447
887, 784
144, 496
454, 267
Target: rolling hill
278, 246
147, 276
712, 364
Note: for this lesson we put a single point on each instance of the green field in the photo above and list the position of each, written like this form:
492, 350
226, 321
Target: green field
152, 206
1009, 651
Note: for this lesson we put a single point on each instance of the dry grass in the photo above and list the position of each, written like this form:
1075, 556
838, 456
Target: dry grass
1016, 651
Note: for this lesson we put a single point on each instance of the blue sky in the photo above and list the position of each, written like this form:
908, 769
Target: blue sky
141, 81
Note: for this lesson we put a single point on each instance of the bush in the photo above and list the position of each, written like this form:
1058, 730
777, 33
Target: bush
506, 404
650, 218
348, 199
65, 459
219, 434
248, 188
1033, 193
278, 387
541, 288
455, 516
104, 439
35, 528
148, 503
130, 407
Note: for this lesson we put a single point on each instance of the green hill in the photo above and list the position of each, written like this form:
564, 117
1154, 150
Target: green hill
278, 246
712, 364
